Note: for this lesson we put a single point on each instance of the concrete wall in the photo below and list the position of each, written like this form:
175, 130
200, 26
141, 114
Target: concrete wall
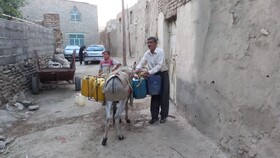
88, 26
226, 65
114, 33
17, 42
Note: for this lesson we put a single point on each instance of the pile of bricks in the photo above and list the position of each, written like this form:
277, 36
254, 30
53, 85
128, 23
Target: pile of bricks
52, 20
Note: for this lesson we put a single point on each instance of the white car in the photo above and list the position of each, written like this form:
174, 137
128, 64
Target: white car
68, 51
93, 53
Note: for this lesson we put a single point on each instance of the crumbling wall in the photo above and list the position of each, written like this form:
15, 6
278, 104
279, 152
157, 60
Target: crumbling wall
52, 20
228, 73
17, 42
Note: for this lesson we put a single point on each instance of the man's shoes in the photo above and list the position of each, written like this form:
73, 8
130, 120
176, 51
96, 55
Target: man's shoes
152, 121
162, 120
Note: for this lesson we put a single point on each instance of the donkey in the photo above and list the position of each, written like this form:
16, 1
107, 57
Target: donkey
117, 88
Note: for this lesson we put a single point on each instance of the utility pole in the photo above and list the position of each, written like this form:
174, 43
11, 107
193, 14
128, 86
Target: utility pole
128, 31
124, 35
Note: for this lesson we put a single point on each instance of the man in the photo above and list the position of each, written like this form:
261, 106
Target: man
107, 65
81, 54
155, 60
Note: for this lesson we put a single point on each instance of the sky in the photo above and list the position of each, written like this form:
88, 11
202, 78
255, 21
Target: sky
108, 9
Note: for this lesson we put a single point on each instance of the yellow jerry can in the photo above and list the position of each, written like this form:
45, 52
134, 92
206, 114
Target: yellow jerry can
98, 94
87, 86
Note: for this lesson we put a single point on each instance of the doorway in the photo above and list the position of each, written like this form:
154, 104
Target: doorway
172, 61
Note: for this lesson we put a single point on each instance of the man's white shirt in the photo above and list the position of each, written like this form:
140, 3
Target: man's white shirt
155, 61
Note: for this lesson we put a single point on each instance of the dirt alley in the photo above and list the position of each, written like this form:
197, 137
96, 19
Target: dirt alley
61, 129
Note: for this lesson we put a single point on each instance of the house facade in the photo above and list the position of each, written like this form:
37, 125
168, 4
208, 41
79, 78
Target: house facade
78, 20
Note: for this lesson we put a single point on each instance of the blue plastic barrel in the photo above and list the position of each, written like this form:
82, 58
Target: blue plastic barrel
139, 88
153, 85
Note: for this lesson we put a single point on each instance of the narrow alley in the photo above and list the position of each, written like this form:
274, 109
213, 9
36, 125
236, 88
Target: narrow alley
63, 129
216, 62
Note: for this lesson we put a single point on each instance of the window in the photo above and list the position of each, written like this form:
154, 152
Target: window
76, 39
95, 48
75, 14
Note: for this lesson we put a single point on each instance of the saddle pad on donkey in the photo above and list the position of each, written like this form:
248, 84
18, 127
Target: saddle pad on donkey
117, 86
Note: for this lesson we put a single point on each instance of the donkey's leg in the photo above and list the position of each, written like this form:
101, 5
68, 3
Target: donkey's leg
114, 104
126, 112
107, 122
120, 110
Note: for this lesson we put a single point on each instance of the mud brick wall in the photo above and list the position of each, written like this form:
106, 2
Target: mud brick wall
169, 7
18, 40
52, 20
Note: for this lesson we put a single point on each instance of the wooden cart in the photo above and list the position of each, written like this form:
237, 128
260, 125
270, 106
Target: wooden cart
54, 76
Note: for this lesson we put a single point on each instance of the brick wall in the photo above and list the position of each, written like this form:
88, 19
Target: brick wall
169, 7
17, 42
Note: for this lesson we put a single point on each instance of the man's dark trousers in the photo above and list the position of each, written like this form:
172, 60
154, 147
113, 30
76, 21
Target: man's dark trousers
162, 100
81, 60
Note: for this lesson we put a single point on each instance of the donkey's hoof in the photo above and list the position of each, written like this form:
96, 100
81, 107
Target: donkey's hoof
104, 141
128, 121
121, 137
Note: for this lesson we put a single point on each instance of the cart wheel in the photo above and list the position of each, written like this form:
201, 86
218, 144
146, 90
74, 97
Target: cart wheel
77, 83
86, 62
35, 84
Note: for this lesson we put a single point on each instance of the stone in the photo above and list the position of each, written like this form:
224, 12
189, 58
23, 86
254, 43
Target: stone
264, 32
19, 106
27, 103
6, 72
8, 125
2, 138
15, 98
9, 107
139, 124
21, 97
254, 141
252, 153
33, 107
9, 140
2, 144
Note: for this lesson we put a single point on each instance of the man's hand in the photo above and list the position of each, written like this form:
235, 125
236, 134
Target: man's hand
99, 73
137, 71
145, 74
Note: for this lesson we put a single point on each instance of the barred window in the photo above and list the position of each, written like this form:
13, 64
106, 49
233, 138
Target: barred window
76, 39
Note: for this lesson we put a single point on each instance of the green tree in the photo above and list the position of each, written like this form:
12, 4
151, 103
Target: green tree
11, 7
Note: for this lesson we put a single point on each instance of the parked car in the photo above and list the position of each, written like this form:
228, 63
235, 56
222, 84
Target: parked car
93, 53
68, 51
